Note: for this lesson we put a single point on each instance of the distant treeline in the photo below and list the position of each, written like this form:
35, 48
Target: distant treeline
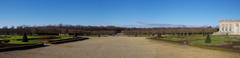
60, 29
172, 31
102, 30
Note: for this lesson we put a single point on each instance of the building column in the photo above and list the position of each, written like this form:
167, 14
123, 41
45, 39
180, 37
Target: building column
238, 28
226, 26
229, 28
220, 28
234, 28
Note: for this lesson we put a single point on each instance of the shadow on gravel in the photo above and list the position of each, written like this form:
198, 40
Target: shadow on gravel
22, 47
67, 41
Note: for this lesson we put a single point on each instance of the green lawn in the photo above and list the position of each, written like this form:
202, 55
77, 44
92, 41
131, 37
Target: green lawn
65, 37
16, 39
216, 40
200, 40
29, 42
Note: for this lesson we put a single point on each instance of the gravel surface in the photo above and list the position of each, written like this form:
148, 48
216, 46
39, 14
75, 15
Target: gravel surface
118, 47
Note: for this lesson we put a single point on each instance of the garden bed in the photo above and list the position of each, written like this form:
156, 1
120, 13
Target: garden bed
14, 42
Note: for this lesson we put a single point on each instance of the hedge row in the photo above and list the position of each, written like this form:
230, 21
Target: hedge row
20, 47
58, 41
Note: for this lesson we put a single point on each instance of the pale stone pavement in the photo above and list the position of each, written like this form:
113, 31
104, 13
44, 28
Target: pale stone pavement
118, 47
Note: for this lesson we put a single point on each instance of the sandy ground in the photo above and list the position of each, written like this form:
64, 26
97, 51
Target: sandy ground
118, 47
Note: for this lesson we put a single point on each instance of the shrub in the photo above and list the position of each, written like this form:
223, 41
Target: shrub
75, 36
25, 38
208, 39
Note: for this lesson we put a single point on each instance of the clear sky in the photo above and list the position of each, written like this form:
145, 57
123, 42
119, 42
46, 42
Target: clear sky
117, 12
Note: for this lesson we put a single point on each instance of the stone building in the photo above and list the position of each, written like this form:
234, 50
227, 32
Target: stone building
229, 27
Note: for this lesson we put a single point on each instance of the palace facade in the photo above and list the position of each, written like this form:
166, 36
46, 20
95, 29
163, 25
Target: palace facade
229, 27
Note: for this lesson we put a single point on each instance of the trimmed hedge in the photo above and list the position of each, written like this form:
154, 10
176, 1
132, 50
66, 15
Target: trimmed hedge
11, 47
20, 47
58, 41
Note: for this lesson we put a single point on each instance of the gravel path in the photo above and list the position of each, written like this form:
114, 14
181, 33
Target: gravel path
118, 47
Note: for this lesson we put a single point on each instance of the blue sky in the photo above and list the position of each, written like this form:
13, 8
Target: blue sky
117, 12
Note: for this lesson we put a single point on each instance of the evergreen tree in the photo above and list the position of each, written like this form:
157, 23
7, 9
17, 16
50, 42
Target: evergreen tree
75, 35
25, 38
208, 39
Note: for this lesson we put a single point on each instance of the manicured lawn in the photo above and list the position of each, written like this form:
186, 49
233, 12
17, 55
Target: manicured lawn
216, 40
65, 37
200, 40
16, 39
30, 42
228, 43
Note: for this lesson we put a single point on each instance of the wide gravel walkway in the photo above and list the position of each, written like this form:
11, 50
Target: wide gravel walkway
118, 47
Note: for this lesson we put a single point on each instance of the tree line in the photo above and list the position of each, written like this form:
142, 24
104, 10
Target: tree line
59, 29
183, 31
103, 30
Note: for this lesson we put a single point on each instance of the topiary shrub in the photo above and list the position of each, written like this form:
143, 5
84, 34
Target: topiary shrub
25, 38
208, 39
75, 36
